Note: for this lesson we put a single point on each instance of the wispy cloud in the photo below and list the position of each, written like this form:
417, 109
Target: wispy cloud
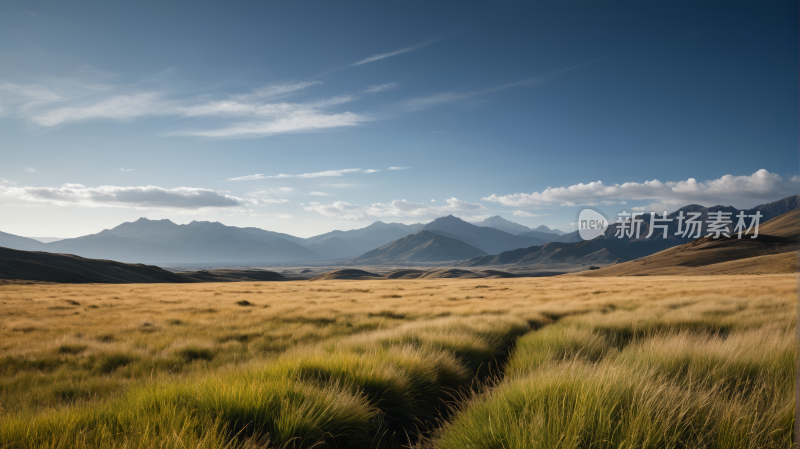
138, 197
418, 103
393, 53
127, 169
318, 193
739, 191
29, 170
253, 114
276, 90
398, 168
380, 88
320, 174
395, 209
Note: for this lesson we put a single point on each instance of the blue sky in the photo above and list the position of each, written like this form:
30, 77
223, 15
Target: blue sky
304, 118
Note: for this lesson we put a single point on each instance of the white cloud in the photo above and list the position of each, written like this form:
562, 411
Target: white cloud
415, 104
277, 90
381, 88
522, 213
246, 115
318, 193
393, 53
284, 216
127, 169
398, 168
272, 201
30, 170
117, 107
433, 201
340, 209
321, 174
138, 197
306, 121
247, 177
739, 191
395, 209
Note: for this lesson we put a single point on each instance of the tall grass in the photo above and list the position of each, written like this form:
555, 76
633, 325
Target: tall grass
609, 381
620, 362
352, 393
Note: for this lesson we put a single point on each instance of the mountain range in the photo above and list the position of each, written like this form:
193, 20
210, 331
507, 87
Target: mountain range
199, 242
502, 224
608, 248
444, 239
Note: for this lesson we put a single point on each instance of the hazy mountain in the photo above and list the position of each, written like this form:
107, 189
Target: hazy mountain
162, 241
375, 235
424, 246
608, 248
546, 236
542, 232
46, 239
339, 248
22, 243
544, 228
490, 240
502, 224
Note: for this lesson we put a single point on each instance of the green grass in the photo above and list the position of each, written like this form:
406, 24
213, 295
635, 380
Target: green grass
593, 382
562, 362
358, 392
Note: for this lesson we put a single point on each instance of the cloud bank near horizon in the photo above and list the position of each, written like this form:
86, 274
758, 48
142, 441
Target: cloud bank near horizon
397, 209
143, 197
320, 174
738, 191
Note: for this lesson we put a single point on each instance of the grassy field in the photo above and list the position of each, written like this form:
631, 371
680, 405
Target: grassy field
572, 362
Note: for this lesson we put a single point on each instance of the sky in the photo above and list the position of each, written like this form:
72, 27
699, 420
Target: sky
308, 117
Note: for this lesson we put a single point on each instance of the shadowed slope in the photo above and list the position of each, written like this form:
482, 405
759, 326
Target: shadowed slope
71, 269
66, 268
773, 251
351, 274
424, 246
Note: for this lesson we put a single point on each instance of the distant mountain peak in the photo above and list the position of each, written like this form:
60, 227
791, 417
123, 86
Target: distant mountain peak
544, 228
143, 220
449, 218
503, 224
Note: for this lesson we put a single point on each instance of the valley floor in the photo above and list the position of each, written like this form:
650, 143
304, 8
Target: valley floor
569, 361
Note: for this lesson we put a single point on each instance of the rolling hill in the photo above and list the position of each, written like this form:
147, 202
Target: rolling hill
41, 266
66, 268
774, 250
424, 246
609, 249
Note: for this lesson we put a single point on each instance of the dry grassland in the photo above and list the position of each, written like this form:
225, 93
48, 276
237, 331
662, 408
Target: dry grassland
569, 362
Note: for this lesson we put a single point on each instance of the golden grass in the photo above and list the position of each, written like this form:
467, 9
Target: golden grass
66, 347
